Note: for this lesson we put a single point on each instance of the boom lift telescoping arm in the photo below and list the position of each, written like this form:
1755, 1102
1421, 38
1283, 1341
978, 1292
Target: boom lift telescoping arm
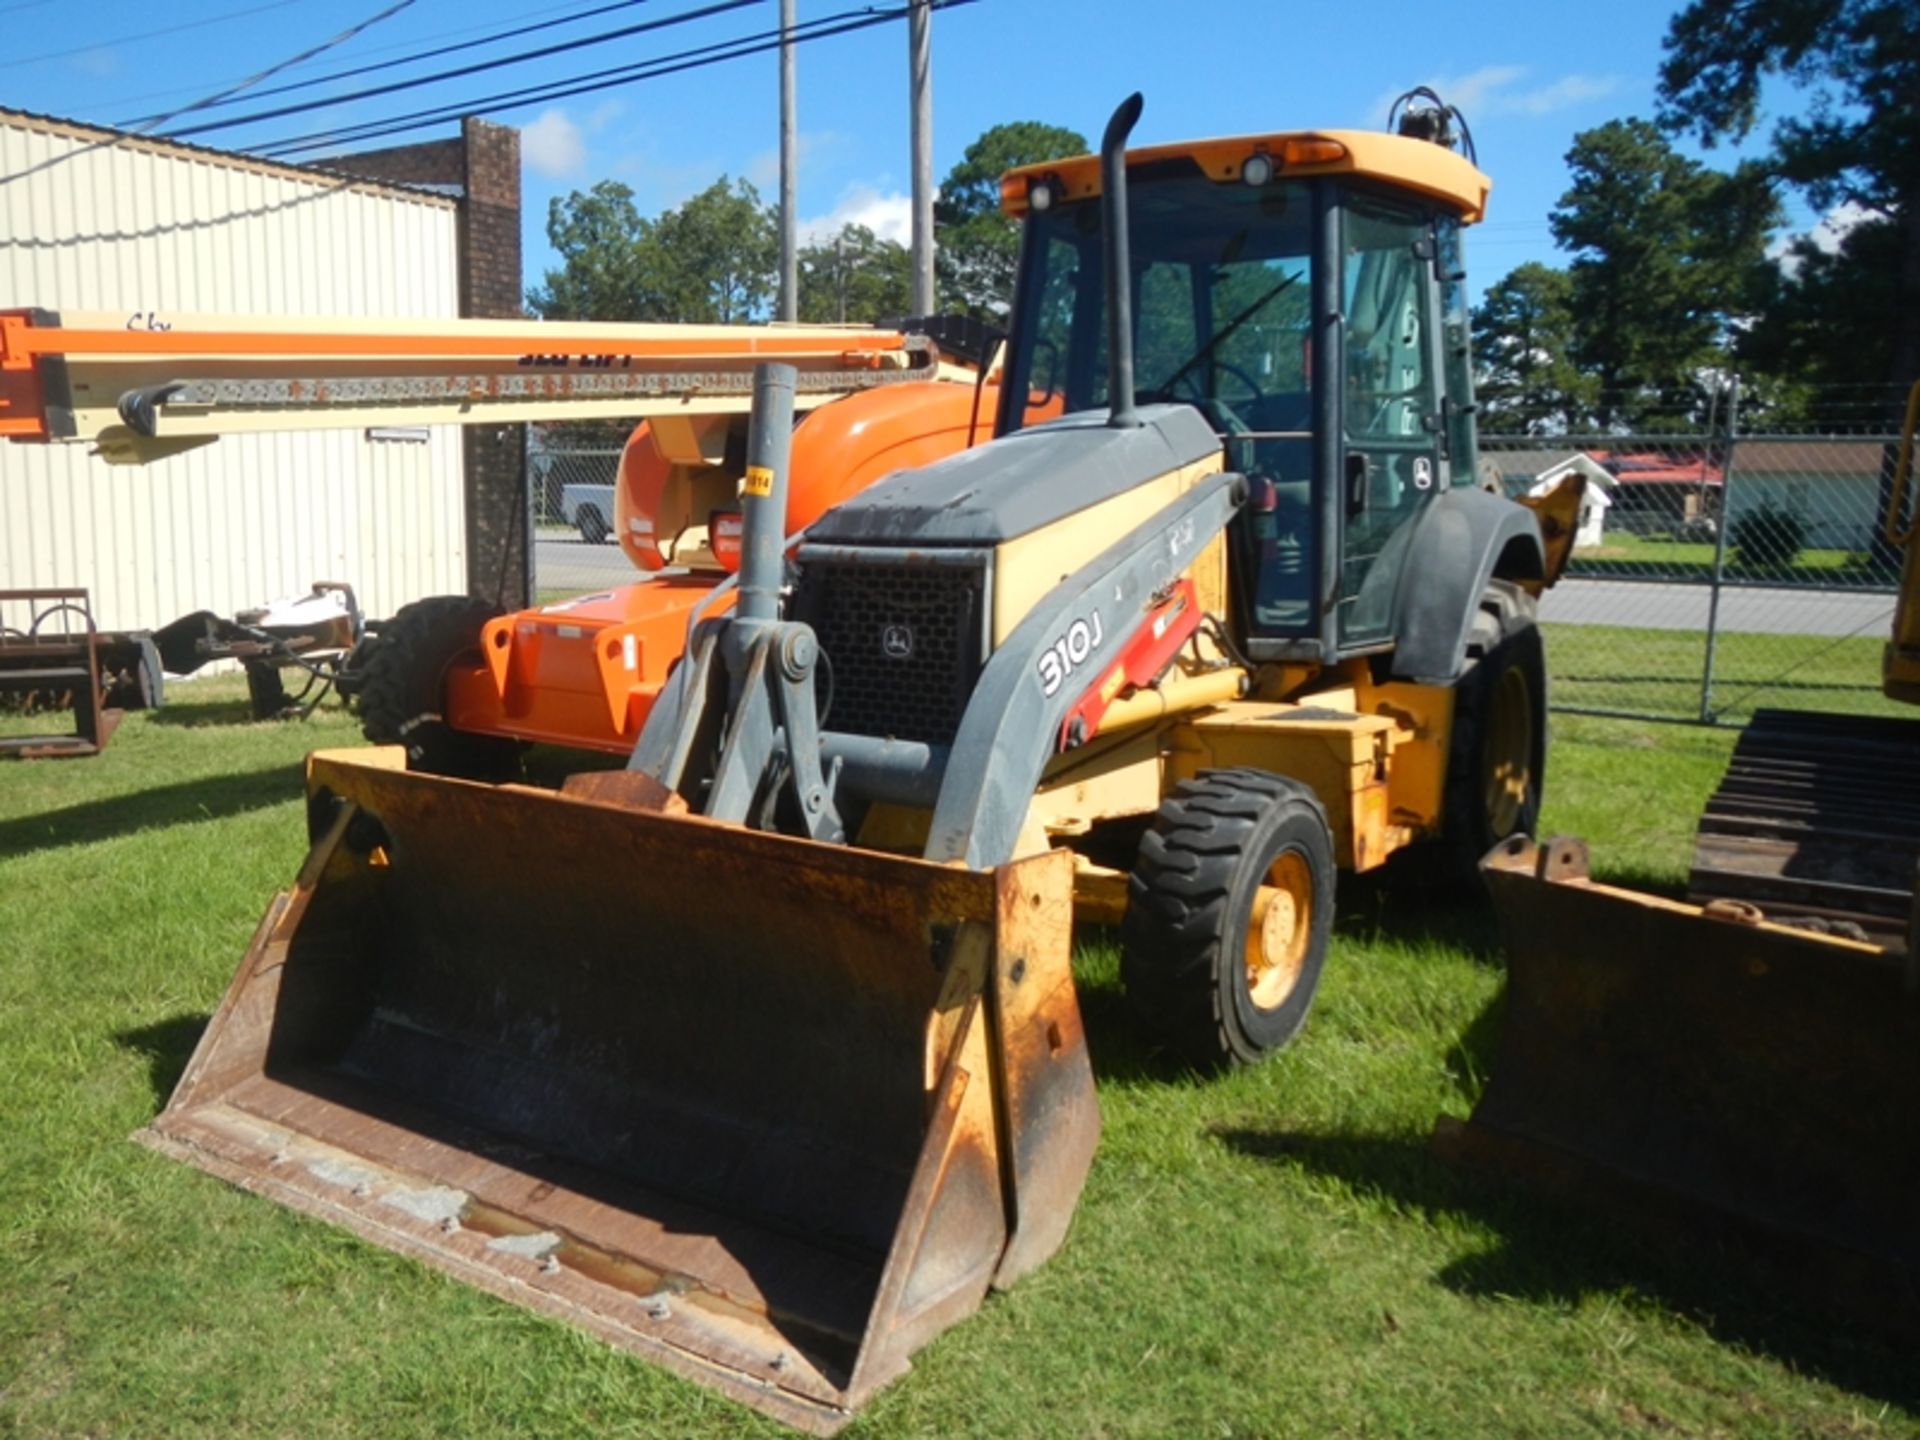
145, 386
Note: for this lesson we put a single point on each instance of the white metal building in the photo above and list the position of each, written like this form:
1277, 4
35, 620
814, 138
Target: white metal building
90, 220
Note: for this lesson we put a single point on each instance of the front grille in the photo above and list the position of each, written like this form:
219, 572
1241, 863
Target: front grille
903, 640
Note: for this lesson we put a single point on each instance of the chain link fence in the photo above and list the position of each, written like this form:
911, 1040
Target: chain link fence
570, 492
1714, 575
1711, 575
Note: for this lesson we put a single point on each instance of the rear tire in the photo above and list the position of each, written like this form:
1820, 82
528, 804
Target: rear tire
1497, 753
403, 690
1228, 911
593, 525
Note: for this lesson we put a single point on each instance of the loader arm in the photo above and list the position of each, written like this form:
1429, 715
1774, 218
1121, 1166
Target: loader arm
1558, 511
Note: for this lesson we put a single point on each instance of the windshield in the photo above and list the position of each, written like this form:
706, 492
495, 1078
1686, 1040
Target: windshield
1220, 302
1221, 321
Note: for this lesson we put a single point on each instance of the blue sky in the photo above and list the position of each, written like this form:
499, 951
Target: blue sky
1527, 73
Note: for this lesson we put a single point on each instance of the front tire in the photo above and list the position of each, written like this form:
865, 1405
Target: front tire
1228, 912
403, 690
592, 524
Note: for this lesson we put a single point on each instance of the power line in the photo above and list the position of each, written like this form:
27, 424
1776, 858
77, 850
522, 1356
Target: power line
364, 50
843, 23
143, 35
439, 50
694, 59
583, 42
574, 85
272, 70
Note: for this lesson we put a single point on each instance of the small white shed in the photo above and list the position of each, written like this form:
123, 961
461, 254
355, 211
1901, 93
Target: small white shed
1534, 472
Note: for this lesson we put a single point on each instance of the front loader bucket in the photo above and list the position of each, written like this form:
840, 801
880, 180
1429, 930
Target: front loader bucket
1694, 1065
771, 1112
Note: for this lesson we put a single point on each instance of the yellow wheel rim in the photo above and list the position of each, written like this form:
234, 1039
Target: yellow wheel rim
1278, 927
1509, 753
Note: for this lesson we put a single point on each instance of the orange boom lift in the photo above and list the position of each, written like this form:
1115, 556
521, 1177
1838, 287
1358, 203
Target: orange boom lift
461, 682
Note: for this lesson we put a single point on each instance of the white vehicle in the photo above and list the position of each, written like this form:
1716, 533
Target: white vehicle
589, 509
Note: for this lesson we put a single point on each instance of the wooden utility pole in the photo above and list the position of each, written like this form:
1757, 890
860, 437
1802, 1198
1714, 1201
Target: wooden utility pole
789, 221
919, 71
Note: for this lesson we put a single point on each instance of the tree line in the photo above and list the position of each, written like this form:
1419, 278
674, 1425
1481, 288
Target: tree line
715, 258
1674, 285
1673, 282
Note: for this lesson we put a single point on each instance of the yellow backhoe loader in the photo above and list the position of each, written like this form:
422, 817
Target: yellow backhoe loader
762, 1055
1751, 1059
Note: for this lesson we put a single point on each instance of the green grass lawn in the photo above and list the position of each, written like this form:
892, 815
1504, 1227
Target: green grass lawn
1650, 556
1657, 672
1270, 1254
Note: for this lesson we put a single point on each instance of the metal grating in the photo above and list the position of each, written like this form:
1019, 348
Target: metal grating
903, 642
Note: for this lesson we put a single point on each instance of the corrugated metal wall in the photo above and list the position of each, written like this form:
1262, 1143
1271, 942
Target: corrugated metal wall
145, 228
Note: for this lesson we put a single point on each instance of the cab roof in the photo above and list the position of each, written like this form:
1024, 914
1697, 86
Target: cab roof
1395, 160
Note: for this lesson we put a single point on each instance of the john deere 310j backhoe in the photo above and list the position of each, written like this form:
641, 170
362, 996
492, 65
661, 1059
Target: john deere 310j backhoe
762, 1056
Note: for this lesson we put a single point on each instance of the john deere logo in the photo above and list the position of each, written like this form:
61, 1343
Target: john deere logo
896, 642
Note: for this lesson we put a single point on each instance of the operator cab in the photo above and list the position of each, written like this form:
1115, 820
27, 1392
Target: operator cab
1319, 322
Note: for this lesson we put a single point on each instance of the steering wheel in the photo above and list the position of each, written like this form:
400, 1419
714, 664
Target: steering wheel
1254, 393
1223, 417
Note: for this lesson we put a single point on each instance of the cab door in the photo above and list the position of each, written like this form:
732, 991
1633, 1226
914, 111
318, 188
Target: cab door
1392, 447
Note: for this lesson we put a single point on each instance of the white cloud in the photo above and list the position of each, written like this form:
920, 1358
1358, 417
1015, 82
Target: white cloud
1473, 93
1826, 234
1836, 224
889, 215
1568, 90
552, 146
1490, 90
99, 63
763, 170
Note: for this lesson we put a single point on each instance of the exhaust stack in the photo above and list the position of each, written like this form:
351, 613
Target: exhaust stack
1113, 223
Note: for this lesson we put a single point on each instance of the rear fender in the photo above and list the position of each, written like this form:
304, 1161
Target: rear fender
1464, 539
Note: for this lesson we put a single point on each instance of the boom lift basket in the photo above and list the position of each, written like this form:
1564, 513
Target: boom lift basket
771, 1112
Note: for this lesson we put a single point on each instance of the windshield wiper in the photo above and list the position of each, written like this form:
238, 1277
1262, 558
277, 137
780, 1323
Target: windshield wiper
1225, 331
